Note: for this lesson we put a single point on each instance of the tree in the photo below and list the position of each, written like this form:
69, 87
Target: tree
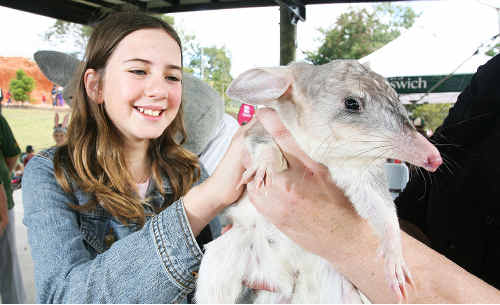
21, 86
359, 32
216, 65
62, 32
494, 50
433, 115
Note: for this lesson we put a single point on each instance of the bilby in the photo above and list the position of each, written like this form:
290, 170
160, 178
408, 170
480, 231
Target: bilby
348, 118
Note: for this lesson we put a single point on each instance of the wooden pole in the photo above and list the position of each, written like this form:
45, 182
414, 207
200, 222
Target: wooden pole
288, 37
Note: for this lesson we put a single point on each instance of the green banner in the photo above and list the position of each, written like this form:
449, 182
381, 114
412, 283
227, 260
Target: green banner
422, 84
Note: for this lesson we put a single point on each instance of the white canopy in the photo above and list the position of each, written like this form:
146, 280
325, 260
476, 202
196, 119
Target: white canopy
438, 45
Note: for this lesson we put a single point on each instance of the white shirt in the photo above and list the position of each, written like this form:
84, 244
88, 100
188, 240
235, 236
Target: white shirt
216, 148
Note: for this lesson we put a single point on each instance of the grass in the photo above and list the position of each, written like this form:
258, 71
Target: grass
31, 126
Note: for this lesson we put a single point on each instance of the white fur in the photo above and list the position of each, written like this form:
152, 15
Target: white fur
315, 114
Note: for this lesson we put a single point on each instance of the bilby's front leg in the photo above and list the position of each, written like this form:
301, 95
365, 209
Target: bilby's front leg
266, 156
381, 213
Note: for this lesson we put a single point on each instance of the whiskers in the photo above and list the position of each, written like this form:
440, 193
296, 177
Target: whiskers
373, 150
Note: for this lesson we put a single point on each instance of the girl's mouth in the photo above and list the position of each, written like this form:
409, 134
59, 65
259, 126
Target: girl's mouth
150, 112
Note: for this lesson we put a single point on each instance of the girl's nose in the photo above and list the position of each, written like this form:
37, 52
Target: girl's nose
156, 87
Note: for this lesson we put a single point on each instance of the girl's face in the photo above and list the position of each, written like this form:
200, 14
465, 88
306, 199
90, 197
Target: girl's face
141, 89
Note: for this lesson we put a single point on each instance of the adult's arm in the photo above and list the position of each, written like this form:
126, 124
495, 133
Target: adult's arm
314, 212
436, 278
152, 265
11, 162
4, 213
10, 148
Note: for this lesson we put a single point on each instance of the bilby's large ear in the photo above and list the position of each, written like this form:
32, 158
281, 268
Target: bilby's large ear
58, 67
56, 119
261, 85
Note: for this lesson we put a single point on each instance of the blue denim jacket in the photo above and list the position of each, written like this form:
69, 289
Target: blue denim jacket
74, 263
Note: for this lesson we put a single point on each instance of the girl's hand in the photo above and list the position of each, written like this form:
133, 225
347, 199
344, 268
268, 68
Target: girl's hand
224, 182
203, 202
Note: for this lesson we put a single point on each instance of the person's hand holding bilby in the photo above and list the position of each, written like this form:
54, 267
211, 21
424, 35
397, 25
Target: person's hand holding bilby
303, 201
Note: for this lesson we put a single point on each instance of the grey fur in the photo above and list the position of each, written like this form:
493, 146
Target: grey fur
203, 106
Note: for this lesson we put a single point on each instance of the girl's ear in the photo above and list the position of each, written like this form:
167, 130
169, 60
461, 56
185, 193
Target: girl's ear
92, 85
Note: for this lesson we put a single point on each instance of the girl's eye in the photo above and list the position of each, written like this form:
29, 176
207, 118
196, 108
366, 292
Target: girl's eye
138, 72
173, 78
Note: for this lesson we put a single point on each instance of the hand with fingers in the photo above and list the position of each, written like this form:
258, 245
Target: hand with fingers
307, 204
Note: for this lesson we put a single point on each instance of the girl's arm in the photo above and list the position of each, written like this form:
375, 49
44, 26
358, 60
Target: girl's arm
153, 265
205, 201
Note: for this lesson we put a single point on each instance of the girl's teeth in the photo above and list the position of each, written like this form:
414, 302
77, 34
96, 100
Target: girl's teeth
149, 111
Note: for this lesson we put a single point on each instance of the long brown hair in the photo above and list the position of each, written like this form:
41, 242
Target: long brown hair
92, 157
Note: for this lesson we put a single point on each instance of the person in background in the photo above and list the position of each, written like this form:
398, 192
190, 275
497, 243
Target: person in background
30, 153
9, 97
420, 126
59, 96
53, 93
11, 284
60, 129
1, 99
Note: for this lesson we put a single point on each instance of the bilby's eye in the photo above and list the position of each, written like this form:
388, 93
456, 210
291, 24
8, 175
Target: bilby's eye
352, 104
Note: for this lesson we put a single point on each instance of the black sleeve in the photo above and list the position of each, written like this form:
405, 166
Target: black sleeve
470, 120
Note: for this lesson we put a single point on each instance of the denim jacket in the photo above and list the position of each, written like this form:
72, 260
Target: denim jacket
76, 260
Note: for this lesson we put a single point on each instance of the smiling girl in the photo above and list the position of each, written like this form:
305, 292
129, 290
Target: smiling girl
112, 214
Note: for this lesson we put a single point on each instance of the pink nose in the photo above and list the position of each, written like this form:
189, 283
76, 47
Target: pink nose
433, 162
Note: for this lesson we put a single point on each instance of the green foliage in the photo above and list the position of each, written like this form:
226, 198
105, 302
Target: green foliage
168, 19
433, 115
360, 32
494, 51
216, 67
63, 32
216, 63
21, 86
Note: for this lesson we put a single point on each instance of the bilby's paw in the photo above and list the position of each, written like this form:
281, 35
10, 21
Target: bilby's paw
397, 273
267, 161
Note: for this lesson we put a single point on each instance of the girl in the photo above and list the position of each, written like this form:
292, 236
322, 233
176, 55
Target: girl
113, 213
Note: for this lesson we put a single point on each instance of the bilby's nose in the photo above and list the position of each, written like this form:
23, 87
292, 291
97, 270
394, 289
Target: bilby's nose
433, 162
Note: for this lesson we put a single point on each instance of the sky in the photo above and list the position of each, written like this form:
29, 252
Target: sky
252, 35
